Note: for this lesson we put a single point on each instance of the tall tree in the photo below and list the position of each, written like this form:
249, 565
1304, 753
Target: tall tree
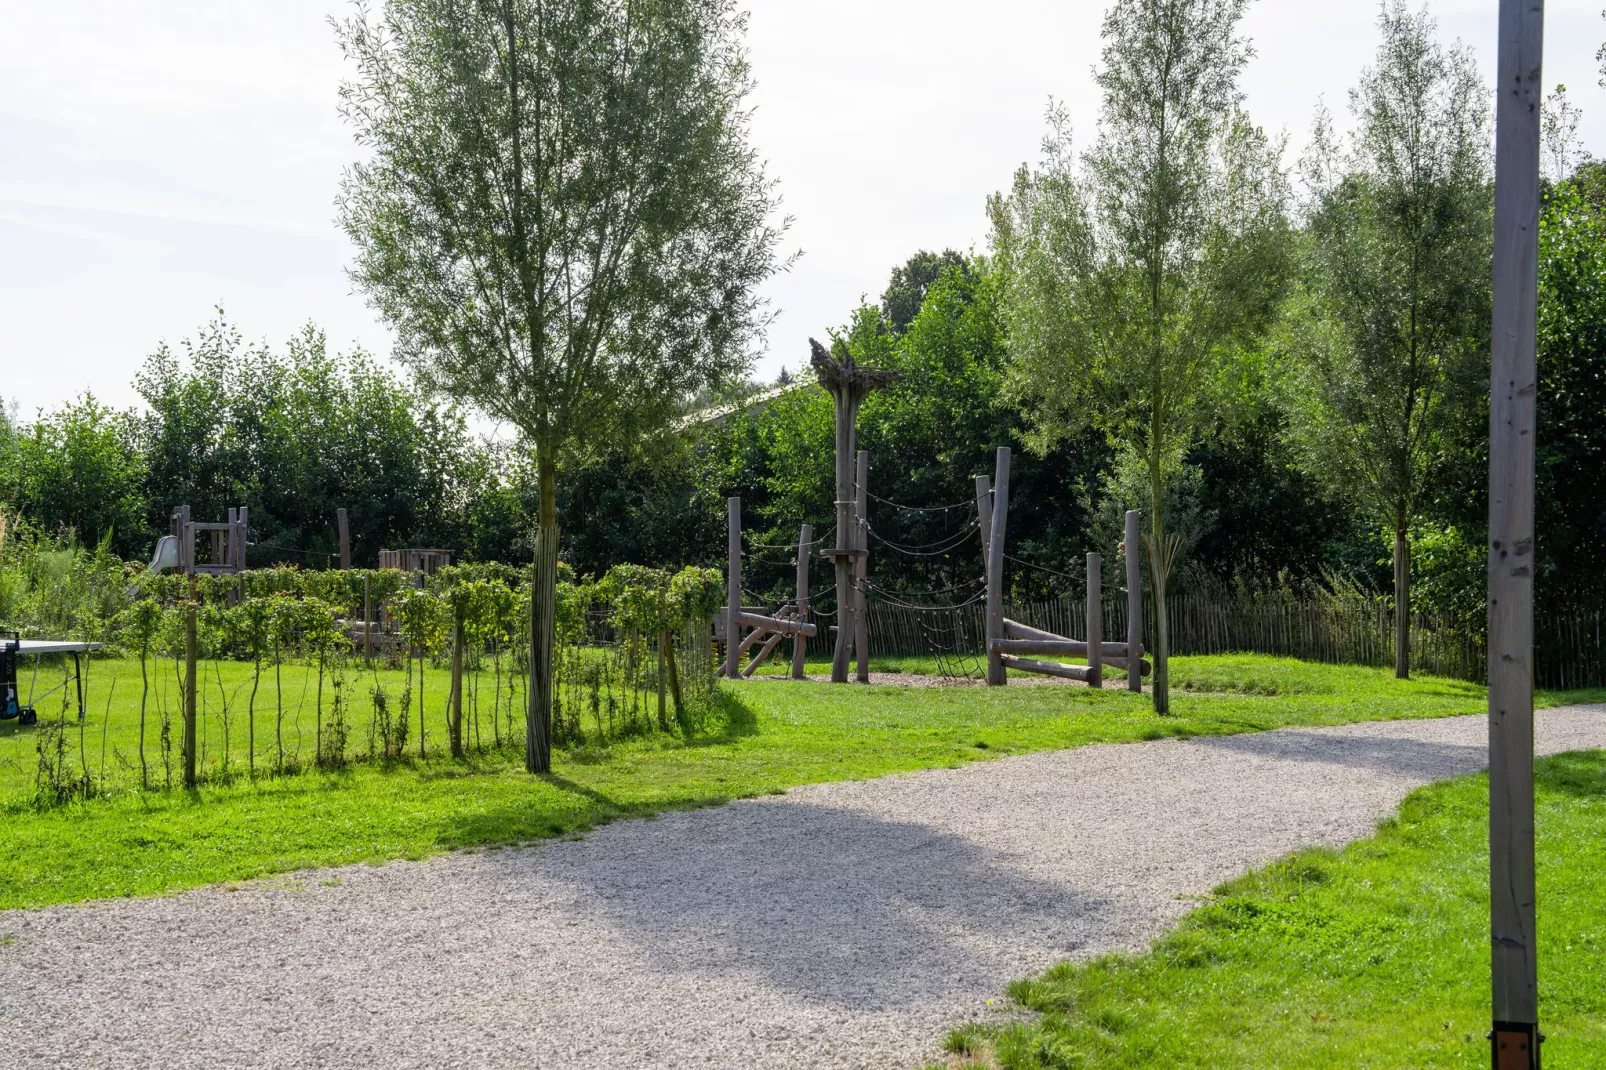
1136, 277
562, 219
1397, 280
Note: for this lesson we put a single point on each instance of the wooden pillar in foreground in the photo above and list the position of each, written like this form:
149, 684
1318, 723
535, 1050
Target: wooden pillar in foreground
861, 563
345, 538
733, 582
1095, 620
997, 675
800, 642
1514, 1037
1134, 603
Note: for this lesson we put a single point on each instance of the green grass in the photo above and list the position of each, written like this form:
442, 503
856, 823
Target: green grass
766, 737
1376, 955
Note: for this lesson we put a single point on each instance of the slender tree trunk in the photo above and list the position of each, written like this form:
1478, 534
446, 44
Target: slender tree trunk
1402, 600
543, 623
251, 715
1159, 572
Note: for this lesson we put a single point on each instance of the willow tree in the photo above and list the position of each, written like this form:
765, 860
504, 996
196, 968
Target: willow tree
1136, 276
1395, 350
561, 217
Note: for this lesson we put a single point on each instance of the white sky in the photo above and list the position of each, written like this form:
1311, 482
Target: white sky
159, 158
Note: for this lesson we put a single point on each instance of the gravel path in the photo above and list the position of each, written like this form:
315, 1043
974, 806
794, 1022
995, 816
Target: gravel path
839, 925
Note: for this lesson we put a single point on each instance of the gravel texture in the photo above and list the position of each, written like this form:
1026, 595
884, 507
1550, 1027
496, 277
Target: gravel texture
839, 925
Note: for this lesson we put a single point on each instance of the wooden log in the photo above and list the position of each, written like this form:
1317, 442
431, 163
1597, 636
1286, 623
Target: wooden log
996, 674
1059, 647
861, 564
763, 653
1134, 597
984, 515
344, 529
1095, 618
733, 584
800, 642
776, 624
1512, 433
1045, 668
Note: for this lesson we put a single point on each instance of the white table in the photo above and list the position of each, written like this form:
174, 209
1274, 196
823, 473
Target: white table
38, 647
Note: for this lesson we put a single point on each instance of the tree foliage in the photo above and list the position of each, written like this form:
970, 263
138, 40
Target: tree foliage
1137, 276
1390, 332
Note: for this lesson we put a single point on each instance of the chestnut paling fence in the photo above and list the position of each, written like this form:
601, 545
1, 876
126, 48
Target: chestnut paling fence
1569, 643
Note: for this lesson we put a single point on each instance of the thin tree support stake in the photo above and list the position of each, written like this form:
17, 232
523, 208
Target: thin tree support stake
1514, 1037
997, 674
189, 691
1134, 601
733, 586
800, 642
1095, 620
344, 528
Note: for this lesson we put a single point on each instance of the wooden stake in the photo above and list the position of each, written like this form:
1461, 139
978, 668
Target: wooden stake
189, 693
1134, 600
997, 674
733, 581
367, 618
1514, 1038
861, 541
345, 538
800, 642
984, 515
1095, 620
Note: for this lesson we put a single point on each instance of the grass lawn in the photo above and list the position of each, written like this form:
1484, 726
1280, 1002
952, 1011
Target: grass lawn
1376, 955
768, 735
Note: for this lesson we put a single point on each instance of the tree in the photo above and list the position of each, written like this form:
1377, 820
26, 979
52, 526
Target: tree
907, 287
562, 219
81, 467
1136, 279
1393, 321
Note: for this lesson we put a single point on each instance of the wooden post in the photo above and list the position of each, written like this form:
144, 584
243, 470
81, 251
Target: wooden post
845, 543
1134, 601
345, 538
984, 515
733, 582
800, 642
1095, 620
861, 542
997, 675
455, 706
190, 654
1514, 1038
367, 618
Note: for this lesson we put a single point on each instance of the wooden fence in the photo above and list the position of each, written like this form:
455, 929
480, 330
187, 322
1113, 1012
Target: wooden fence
1570, 645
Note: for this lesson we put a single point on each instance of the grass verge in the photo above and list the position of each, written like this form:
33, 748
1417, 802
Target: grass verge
768, 736
1376, 955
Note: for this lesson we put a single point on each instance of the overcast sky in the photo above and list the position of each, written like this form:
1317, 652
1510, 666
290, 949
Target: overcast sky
160, 158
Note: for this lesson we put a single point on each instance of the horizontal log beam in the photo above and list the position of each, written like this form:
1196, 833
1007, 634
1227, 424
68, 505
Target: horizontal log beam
776, 624
1046, 668
1064, 648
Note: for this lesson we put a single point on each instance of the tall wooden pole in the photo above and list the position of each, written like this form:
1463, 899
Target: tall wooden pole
1095, 620
984, 515
997, 675
1134, 604
1514, 1038
861, 563
190, 683
733, 580
800, 642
